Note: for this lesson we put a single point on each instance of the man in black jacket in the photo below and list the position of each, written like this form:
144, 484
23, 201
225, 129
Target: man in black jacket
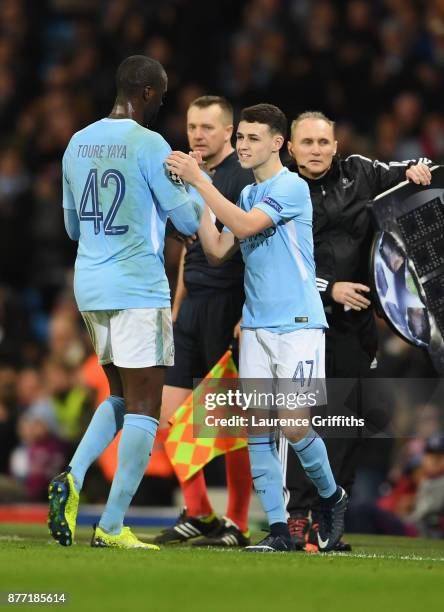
340, 190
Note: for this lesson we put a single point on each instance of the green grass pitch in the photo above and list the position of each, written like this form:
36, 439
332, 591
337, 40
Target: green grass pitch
381, 574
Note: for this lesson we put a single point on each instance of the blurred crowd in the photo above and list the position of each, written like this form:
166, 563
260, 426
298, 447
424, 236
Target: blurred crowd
375, 66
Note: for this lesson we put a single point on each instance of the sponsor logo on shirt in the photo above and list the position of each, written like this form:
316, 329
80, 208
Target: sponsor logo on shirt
272, 203
260, 239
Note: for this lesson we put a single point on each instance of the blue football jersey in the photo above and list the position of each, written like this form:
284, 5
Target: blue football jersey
114, 176
280, 282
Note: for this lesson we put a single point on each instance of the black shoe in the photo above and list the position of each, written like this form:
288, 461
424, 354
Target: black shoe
187, 528
229, 534
271, 544
341, 546
331, 522
298, 526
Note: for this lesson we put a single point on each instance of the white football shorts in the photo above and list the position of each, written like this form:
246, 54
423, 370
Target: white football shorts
293, 355
292, 362
132, 338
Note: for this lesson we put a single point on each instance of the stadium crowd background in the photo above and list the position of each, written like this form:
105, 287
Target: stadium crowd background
376, 67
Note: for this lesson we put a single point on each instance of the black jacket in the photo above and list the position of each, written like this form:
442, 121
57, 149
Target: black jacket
343, 232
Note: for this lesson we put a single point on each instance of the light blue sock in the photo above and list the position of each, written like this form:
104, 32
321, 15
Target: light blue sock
107, 421
314, 459
135, 447
268, 482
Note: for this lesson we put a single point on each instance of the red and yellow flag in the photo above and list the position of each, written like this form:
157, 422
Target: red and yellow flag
188, 454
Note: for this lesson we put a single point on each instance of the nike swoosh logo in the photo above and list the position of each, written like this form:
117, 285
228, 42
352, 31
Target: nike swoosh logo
342, 496
323, 543
259, 475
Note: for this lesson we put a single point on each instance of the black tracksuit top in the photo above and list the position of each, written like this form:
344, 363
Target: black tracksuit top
343, 232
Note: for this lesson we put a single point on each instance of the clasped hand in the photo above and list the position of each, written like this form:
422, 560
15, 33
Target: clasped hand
187, 167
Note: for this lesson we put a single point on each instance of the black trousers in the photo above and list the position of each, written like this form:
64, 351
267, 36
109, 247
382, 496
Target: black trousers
345, 358
202, 333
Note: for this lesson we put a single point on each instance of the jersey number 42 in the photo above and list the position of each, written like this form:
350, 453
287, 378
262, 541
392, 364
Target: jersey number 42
90, 197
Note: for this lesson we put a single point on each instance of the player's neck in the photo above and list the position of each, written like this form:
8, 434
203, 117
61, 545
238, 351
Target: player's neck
218, 158
268, 170
126, 109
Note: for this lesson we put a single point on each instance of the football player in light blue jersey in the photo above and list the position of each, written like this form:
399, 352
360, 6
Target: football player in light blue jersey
117, 195
283, 319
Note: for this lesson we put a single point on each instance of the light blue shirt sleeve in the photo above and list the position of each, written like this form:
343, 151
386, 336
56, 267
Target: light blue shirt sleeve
68, 198
169, 192
187, 218
70, 217
286, 199
72, 223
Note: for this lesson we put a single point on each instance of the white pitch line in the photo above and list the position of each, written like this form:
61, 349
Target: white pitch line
351, 555
379, 556
340, 555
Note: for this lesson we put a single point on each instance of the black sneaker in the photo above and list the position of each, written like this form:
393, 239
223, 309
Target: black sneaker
187, 528
298, 526
342, 546
228, 534
331, 522
271, 544
312, 540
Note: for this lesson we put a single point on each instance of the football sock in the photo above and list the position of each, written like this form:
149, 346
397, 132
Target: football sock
237, 464
266, 472
333, 499
106, 422
280, 529
314, 459
194, 491
135, 446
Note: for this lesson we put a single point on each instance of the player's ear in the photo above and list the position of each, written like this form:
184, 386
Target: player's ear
290, 148
278, 142
228, 132
336, 147
147, 92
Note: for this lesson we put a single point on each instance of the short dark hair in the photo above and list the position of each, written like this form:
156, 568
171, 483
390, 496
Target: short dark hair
206, 101
269, 115
138, 71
